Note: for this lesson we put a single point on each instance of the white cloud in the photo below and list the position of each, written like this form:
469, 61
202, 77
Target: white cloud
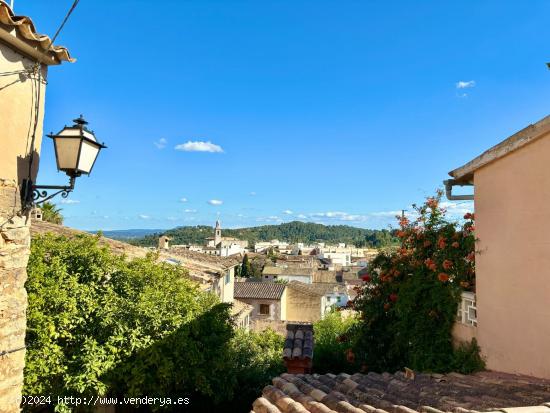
69, 201
183, 200
215, 202
253, 193
143, 216
199, 146
301, 216
465, 84
340, 216
190, 211
272, 218
161, 143
288, 212
457, 209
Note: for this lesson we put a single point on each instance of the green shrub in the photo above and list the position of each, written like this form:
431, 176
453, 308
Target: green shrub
98, 324
257, 358
329, 355
467, 358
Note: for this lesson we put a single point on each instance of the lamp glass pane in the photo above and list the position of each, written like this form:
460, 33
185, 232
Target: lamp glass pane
88, 154
70, 132
89, 135
67, 152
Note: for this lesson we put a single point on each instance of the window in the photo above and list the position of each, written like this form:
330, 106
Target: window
264, 309
228, 277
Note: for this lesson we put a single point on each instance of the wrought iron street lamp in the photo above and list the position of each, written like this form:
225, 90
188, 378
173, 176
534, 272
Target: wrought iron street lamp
76, 150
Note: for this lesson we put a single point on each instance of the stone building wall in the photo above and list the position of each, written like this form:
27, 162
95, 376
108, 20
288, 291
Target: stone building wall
14, 254
302, 307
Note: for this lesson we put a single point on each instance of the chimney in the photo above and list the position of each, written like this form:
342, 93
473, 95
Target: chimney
298, 351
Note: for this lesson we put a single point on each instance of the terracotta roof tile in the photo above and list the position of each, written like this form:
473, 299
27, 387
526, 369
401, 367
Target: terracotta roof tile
25, 28
395, 393
259, 290
298, 342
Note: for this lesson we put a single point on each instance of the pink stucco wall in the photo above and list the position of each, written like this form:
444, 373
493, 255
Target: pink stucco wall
512, 205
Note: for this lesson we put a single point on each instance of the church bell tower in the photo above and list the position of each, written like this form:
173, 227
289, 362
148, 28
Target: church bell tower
218, 233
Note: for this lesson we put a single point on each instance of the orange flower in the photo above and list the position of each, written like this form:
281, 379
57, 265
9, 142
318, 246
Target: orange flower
455, 244
447, 264
393, 297
387, 306
430, 264
350, 356
441, 243
471, 256
443, 277
367, 278
432, 203
400, 234
427, 243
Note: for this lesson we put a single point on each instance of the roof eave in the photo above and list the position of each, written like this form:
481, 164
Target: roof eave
19, 32
525, 136
27, 49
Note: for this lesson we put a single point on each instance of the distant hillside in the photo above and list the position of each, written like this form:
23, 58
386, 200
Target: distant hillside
125, 234
295, 231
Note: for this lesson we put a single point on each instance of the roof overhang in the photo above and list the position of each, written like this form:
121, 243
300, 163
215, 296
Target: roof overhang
465, 173
19, 33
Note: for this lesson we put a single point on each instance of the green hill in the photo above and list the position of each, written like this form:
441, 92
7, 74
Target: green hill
295, 231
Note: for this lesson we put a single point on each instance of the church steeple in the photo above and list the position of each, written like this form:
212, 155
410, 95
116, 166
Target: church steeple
218, 233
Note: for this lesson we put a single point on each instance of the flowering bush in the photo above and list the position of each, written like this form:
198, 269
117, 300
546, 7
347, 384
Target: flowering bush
409, 301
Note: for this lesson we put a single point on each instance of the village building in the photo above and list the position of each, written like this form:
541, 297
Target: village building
25, 56
216, 245
268, 300
275, 244
509, 314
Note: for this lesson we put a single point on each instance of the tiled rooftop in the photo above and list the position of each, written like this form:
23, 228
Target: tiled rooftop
259, 290
24, 27
318, 289
202, 267
395, 393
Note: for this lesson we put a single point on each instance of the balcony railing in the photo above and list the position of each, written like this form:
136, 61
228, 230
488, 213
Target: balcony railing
467, 310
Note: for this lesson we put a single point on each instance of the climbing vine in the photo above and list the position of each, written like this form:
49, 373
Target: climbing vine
408, 303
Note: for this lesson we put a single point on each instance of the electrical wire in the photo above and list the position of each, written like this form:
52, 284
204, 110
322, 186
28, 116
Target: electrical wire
75, 3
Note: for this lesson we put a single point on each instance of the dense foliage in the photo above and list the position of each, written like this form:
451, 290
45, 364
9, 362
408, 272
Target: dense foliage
330, 348
101, 325
295, 231
251, 268
409, 303
256, 359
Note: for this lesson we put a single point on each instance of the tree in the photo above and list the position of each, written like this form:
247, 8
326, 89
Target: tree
98, 324
51, 213
246, 269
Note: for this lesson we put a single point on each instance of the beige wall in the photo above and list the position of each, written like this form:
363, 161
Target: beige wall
512, 205
463, 333
17, 117
17, 99
276, 309
302, 307
225, 291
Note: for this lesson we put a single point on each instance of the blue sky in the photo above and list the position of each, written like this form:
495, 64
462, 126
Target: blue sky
334, 112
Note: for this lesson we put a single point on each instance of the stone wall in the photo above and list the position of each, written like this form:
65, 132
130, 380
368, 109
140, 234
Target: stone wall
14, 254
303, 307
